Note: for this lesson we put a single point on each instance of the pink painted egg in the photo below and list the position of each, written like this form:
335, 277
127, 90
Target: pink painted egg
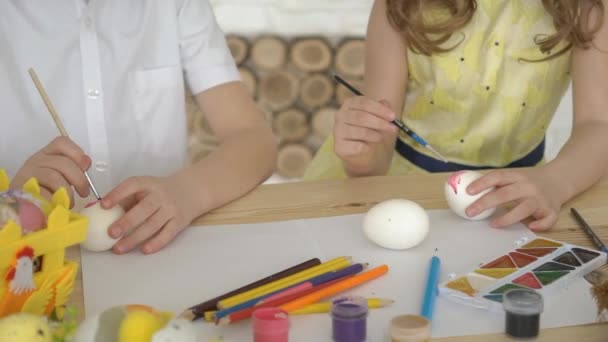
22, 208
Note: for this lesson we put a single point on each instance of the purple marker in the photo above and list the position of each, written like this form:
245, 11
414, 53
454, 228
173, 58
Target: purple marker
349, 316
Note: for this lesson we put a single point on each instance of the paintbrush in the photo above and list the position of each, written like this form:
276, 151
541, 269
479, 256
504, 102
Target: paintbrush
397, 122
58, 123
587, 229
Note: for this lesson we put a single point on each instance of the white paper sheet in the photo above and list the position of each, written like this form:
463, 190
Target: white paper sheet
207, 261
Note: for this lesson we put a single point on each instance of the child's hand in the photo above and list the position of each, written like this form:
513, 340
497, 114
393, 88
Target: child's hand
156, 211
359, 124
59, 164
535, 192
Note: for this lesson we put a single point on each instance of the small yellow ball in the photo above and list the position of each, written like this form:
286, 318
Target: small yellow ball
24, 327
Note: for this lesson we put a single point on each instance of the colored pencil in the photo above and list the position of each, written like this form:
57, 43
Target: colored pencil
246, 313
199, 310
587, 228
430, 292
324, 278
324, 307
332, 265
335, 288
398, 123
316, 281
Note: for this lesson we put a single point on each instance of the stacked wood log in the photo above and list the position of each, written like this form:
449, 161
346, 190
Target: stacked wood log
291, 80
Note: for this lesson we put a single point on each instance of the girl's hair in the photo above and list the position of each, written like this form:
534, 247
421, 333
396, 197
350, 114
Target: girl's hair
571, 22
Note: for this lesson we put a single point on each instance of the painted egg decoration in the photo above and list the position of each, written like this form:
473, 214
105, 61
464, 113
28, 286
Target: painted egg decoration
396, 224
23, 209
135, 323
455, 189
98, 238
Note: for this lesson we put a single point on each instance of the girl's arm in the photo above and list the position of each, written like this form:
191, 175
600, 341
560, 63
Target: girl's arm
540, 192
584, 158
385, 80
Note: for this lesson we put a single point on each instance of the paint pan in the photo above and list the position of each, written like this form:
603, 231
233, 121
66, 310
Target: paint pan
538, 265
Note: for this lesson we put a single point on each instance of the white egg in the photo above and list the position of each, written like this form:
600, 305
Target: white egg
396, 224
177, 330
98, 239
458, 199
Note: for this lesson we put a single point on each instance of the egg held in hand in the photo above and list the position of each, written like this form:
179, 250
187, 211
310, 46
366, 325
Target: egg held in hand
396, 224
455, 189
98, 238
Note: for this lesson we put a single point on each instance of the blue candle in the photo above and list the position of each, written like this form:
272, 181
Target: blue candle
430, 293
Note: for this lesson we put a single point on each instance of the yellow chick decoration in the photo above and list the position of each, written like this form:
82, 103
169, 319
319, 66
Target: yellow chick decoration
141, 323
25, 327
125, 323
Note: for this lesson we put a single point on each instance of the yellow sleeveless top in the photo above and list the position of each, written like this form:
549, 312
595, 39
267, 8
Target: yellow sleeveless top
480, 103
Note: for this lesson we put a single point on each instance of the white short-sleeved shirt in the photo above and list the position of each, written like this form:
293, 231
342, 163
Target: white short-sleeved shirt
115, 72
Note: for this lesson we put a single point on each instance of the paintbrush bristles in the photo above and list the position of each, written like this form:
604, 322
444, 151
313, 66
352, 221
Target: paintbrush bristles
600, 294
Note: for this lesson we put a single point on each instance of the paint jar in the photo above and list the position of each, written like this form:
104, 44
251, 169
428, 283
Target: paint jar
270, 325
349, 319
410, 328
523, 308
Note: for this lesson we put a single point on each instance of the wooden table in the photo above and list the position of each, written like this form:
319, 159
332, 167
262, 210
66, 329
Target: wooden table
350, 196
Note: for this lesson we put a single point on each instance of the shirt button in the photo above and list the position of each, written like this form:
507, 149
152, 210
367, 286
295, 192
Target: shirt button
93, 94
101, 166
88, 21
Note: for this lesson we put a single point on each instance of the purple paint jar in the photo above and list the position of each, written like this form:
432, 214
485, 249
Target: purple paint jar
349, 319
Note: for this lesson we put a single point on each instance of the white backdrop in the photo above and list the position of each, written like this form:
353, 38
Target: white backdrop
336, 18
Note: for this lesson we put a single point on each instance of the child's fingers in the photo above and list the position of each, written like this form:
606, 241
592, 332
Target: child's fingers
52, 180
376, 108
152, 225
367, 120
127, 188
349, 132
134, 217
65, 146
70, 171
497, 197
517, 214
545, 221
347, 148
494, 178
166, 235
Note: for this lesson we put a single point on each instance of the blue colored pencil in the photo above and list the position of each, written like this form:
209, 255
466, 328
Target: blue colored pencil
316, 281
430, 292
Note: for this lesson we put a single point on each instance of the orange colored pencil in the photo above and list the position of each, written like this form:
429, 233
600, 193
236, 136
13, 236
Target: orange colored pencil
335, 288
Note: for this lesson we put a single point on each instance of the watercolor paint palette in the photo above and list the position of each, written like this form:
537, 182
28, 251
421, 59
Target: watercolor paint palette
540, 264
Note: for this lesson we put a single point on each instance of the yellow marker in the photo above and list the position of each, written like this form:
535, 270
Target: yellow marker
324, 307
332, 265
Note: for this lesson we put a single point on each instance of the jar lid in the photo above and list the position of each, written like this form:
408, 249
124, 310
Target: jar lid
409, 325
349, 307
270, 321
523, 302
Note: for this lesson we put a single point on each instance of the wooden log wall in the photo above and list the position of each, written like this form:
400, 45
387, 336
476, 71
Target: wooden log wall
291, 80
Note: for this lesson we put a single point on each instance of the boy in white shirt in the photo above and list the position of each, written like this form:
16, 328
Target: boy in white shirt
115, 72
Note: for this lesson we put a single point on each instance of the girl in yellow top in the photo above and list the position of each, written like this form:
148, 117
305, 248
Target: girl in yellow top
480, 82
